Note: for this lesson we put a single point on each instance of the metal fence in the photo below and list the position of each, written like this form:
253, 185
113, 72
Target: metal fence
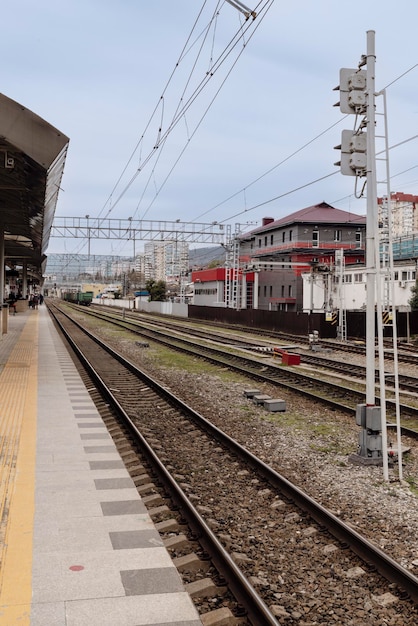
303, 323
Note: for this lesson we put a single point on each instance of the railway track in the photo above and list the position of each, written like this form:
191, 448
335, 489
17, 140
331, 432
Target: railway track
406, 353
255, 524
406, 383
291, 343
342, 397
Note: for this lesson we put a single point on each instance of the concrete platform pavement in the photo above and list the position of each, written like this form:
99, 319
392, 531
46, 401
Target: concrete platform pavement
79, 547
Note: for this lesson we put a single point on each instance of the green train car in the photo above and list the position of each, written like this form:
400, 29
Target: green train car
79, 297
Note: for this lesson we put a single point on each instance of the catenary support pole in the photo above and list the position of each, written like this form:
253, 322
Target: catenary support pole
392, 296
372, 251
2, 267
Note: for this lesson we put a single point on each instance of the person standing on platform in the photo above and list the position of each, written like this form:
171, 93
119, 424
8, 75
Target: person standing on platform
12, 302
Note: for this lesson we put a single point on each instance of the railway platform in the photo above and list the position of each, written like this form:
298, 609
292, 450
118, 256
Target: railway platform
77, 545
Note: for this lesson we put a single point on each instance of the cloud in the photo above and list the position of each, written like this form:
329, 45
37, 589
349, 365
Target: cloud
98, 69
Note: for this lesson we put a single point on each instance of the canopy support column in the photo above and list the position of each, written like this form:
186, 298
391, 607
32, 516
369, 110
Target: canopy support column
2, 266
25, 279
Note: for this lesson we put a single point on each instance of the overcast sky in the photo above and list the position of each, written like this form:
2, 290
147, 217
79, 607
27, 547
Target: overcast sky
108, 73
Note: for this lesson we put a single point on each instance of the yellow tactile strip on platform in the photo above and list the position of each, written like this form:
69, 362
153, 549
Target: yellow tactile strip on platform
18, 402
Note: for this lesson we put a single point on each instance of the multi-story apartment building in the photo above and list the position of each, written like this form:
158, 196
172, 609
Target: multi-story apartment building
122, 266
166, 260
403, 214
140, 264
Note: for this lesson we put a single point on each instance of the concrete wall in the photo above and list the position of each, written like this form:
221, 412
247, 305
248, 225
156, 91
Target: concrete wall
162, 308
293, 322
117, 303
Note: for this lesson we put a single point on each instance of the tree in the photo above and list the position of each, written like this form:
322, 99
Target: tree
413, 301
215, 263
136, 279
156, 289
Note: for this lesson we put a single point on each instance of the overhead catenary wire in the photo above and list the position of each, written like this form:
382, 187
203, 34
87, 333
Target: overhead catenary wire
282, 195
181, 113
270, 170
181, 110
258, 205
148, 124
182, 106
193, 133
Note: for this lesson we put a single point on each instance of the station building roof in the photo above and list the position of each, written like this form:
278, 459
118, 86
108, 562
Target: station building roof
322, 213
32, 159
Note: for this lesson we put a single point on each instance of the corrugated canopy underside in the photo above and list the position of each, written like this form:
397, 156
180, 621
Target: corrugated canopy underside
32, 159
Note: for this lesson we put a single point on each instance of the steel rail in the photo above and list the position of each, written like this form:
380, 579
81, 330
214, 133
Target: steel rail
363, 548
277, 376
243, 591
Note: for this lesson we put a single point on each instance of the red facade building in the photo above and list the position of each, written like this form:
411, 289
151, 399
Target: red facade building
273, 256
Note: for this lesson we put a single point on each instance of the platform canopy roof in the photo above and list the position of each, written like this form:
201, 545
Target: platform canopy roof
32, 159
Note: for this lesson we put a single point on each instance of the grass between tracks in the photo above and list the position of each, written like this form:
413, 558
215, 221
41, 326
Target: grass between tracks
324, 433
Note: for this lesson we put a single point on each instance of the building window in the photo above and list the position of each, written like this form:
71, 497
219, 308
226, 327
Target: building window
265, 241
396, 276
358, 278
282, 291
348, 278
205, 292
290, 291
315, 239
290, 235
265, 290
271, 291
271, 240
358, 239
337, 235
283, 236
259, 243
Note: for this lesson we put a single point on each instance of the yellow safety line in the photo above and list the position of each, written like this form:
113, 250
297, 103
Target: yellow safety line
18, 411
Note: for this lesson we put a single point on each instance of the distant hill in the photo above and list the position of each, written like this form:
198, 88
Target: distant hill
201, 257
